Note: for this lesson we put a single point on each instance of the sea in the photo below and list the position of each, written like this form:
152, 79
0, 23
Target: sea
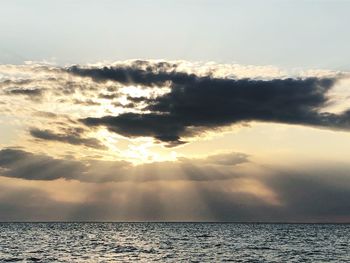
174, 242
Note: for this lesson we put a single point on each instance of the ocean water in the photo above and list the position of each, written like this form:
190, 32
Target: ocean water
173, 242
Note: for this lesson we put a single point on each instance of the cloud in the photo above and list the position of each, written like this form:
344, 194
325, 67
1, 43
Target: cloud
162, 127
86, 102
304, 194
228, 158
301, 198
216, 190
172, 101
139, 72
46, 114
34, 94
313, 193
198, 103
22, 164
29, 92
109, 96
72, 136
224, 159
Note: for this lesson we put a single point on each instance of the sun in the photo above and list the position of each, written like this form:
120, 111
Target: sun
135, 150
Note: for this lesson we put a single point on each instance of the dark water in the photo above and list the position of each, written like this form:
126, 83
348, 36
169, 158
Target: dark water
173, 242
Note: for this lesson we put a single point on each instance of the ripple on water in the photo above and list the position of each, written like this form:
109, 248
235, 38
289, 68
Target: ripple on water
173, 242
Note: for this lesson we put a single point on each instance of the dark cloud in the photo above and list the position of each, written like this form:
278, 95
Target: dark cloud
31, 92
109, 96
196, 103
21, 164
87, 102
71, 136
129, 105
14, 82
137, 99
162, 127
142, 73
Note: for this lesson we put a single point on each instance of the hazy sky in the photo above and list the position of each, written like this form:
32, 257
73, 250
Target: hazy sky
308, 34
175, 110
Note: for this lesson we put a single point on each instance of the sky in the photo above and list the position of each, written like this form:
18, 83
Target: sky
174, 111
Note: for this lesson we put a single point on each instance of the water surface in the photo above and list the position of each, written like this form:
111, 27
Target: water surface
173, 242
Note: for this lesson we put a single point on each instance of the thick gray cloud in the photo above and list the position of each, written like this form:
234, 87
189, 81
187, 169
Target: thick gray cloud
196, 103
29, 92
21, 164
72, 136
140, 72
